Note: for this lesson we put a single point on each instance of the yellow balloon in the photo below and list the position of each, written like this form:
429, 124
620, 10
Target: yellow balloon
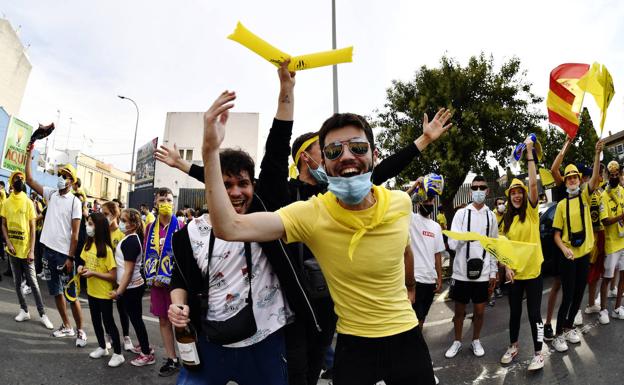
302, 62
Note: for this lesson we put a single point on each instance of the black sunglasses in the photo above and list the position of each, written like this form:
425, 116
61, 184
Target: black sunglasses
62, 175
480, 187
357, 146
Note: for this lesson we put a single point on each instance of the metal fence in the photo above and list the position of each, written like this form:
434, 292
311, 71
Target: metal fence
192, 197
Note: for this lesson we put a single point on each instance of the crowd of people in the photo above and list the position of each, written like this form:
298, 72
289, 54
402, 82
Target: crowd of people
278, 264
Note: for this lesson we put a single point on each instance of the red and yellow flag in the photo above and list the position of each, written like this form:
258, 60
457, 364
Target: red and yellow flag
565, 97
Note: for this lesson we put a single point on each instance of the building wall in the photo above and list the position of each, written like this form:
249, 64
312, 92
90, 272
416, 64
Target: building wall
93, 175
185, 129
14, 69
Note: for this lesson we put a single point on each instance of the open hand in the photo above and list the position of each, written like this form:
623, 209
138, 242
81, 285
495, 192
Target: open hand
167, 155
215, 119
434, 129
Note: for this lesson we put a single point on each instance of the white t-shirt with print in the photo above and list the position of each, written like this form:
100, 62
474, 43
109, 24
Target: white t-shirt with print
229, 285
426, 240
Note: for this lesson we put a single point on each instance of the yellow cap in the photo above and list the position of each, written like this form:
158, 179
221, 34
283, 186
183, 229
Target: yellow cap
613, 166
14, 174
571, 170
69, 169
514, 184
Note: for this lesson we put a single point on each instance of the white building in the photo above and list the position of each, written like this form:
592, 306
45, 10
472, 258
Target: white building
185, 129
14, 68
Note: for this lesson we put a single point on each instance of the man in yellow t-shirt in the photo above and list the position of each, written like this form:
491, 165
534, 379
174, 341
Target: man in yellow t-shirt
147, 215
18, 229
575, 237
612, 217
359, 234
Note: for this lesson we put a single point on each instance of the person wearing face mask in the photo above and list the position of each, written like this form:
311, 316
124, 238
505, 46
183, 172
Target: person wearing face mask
575, 239
612, 218
308, 179
111, 212
474, 270
131, 285
100, 270
59, 237
18, 228
521, 223
158, 268
597, 256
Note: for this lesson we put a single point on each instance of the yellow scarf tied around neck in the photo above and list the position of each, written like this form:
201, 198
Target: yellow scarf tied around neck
346, 218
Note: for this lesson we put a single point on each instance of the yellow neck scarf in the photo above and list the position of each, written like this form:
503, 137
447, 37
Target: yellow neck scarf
348, 219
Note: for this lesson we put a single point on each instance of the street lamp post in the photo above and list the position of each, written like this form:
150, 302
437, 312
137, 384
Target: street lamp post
335, 67
136, 127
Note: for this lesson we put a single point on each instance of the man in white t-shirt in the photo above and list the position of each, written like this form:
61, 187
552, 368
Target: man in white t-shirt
427, 245
60, 237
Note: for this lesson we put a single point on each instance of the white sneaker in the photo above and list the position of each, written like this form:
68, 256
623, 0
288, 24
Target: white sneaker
477, 348
25, 288
618, 313
537, 362
612, 293
108, 340
603, 318
578, 318
127, 344
98, 353
572, 336
116, 360
592, 309
559, 343
436, 379
46, 322
453, 350
81, 339
510, 354
63, 331
597, 300
22, 316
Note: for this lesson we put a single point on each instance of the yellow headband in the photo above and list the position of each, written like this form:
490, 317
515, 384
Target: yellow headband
294, 172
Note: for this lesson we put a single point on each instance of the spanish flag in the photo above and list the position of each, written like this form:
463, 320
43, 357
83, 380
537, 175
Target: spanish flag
565, 97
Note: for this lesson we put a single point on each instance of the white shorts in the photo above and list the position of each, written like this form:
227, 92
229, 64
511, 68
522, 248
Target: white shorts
612, 262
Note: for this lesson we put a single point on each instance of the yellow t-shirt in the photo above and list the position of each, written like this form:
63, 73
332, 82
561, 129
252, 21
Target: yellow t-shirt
97, 287
18, 210
149, 218
369, 291
442, 220
116, 237
528, 231
560, 222
611, 206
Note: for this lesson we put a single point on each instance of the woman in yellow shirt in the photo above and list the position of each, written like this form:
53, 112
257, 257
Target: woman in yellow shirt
101, 271
112, 212
521, 223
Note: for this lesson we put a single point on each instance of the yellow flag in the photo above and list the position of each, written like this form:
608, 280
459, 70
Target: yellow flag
512, 254
548, 181
598, 82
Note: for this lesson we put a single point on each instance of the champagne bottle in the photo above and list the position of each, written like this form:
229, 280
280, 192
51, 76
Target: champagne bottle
186, 339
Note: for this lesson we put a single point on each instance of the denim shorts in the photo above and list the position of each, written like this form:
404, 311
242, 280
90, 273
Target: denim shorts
53, 262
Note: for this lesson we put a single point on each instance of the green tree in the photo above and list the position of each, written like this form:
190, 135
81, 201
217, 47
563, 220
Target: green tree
494, 109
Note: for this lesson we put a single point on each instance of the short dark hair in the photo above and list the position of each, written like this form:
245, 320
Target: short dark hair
299, 142
78, 182
234, 161
143, 205
163, 192
500, 199
479, 178
342, 120
2, 183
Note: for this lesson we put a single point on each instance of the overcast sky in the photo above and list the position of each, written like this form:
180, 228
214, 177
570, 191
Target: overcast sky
174, 56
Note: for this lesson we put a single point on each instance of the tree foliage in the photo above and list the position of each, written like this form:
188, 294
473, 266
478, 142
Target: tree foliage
493, 110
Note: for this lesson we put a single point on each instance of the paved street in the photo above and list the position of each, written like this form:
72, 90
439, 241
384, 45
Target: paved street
31, 356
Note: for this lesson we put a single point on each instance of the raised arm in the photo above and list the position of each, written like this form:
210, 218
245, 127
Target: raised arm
595, 178
533, 196
395, 163
556, 166
228, 225
171, 157
29, 177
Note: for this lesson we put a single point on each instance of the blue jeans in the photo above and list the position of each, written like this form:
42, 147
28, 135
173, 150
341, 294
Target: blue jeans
263, 363
53, 262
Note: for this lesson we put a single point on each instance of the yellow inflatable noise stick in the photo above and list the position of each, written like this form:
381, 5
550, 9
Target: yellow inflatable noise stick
303, 62
75, 280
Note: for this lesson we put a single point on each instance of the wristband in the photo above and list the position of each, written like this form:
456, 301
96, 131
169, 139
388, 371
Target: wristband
531, 160
71, 258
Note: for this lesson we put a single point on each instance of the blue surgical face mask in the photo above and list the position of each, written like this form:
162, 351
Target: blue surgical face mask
573, 191
319, 174
351, 190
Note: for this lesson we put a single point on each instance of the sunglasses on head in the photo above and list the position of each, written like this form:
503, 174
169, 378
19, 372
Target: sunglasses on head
480, 187
357, 146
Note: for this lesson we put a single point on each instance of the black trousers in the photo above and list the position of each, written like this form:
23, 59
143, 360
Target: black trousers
306, 347
401, 359
123, 315
533, 288
573, 281
424, 298
102, 311
133, 308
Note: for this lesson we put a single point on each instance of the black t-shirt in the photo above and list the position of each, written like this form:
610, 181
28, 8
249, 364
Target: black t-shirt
131, 248
559, 192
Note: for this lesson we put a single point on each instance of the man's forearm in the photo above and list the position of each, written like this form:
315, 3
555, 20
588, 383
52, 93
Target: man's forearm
408, 260
285, 104
33, 235
178, 296
221, 211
